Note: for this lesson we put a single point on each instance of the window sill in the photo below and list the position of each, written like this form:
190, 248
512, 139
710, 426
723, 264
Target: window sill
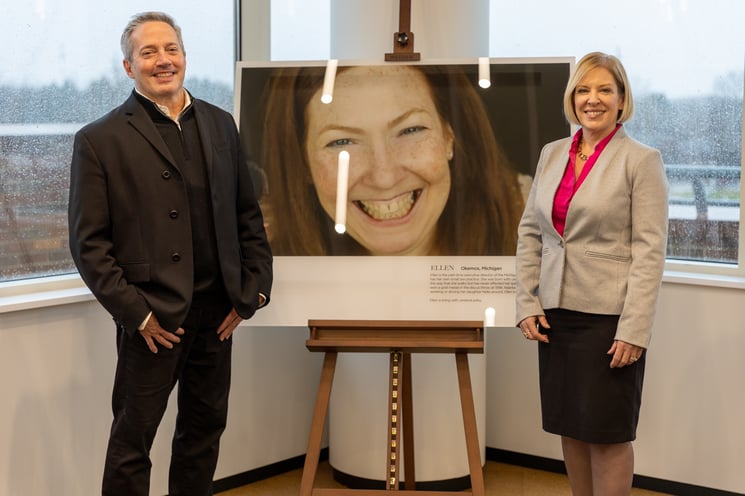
43, 292
697, 279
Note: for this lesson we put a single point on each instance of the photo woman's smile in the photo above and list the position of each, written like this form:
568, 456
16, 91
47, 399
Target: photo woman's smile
389, 209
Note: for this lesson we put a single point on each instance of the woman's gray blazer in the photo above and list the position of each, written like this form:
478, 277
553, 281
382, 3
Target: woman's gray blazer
611, 257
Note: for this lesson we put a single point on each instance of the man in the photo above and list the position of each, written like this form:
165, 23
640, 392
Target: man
166, 231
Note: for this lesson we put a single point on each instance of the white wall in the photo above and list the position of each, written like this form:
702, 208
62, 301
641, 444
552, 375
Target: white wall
56, 375
56, 370
56, 367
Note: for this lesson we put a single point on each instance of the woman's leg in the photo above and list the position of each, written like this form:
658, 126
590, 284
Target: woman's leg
612, 469
579, 465
598, 469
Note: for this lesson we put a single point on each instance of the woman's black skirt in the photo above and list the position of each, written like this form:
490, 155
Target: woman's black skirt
581, 396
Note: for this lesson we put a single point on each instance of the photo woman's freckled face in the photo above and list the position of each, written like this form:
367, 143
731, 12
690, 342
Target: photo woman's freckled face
399, 176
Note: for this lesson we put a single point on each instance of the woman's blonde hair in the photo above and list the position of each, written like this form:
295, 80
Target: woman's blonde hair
586, 64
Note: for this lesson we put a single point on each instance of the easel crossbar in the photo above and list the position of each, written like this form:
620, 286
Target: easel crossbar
389, 335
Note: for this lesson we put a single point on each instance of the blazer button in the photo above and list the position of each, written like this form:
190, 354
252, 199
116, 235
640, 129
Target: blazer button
173, 214
165, 174
176, 257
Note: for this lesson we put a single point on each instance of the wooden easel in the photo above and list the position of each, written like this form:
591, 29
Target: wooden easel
403, 39
399, 338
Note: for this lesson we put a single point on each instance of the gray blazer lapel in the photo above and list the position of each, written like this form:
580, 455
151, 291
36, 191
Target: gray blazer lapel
552, 176
598, 181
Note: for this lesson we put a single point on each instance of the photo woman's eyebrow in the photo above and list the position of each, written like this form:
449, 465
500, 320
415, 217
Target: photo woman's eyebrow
401, 118
338, 127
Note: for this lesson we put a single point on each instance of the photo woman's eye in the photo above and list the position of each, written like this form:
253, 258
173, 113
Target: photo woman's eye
413, 129
339, 142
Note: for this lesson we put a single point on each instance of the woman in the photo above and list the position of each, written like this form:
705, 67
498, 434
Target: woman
426, 175
590, 257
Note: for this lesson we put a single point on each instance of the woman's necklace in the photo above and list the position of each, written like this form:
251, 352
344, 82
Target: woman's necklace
581, 155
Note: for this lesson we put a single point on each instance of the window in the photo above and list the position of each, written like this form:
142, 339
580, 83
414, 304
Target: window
685, 62
63, 70
300, 29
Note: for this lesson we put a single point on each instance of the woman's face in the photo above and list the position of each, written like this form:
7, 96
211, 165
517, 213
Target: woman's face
597, 103
399, 148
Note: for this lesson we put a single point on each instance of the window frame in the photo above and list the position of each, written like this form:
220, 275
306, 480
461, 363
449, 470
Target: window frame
714, 273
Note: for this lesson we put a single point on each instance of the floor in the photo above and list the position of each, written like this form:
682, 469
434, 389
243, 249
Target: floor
499, 478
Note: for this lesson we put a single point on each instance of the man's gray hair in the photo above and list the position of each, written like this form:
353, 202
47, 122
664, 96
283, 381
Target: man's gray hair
139, 19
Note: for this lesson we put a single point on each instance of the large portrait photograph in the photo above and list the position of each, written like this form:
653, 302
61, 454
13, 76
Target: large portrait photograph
437, 169
437, 164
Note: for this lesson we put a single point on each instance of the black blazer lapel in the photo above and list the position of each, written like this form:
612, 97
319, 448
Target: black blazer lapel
205, 127
138, 118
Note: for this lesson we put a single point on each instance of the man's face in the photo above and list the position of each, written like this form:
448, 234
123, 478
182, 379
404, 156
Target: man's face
158, 62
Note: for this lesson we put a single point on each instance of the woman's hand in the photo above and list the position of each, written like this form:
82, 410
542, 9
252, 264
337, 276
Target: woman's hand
530, 328
624, 354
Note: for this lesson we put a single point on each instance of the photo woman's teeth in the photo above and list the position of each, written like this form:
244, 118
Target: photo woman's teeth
389, 209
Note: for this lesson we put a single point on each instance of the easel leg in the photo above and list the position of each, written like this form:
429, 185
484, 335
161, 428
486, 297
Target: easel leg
395, 408
407, 417
316, 428
469, 424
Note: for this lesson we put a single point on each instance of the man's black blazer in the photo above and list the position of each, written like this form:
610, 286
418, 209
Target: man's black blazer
130, 229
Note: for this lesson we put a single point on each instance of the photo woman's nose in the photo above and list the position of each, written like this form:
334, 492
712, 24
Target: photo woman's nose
381, 167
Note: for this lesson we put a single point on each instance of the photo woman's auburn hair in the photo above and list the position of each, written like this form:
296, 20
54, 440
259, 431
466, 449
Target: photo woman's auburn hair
485, 201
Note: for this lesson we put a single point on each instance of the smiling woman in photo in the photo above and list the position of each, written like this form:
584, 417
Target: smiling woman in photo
426, 174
